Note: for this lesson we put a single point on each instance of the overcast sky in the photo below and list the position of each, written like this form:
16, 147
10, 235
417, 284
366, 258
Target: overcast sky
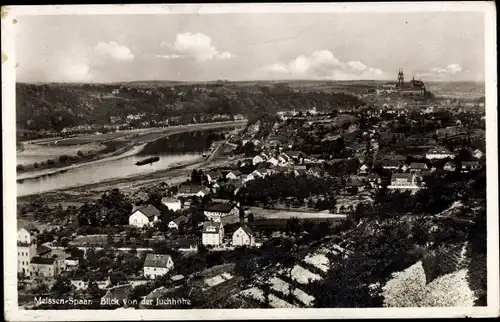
337, 46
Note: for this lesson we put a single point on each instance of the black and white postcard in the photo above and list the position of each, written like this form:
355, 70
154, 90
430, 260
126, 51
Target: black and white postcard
237, 161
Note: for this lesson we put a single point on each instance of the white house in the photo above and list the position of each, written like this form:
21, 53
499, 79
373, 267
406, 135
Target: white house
213, 176
157, 265
192, 190
478, 154
145, 215
418, 167
26, 250
470, 166
71, 262
257, 159
171, 203
284, 159
273, 161
233, 175
43, 267
174, 224
243, 236
363, 169
217, 211
449, 166
259, 173
213, 233
439, 153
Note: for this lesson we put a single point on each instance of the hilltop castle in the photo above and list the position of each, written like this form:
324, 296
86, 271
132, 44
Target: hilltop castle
411, 88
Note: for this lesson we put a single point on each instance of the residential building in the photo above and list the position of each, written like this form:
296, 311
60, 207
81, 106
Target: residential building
173, 204
258, 159
478, 154
297, 156
243, 236
405, 181
213, 176
470, 166
145, 215
26, 250
273, 161
71, 262
174, 224
390, 165
315, 171
43, 267
439, 153
157, 265
259, 173
212, 234
417, 167
218, 211
233, 175
449, 166
363, 169
192, 190
283, 159
374, 179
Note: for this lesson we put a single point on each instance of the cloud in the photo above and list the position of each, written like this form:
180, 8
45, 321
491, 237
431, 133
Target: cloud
451, 69
323, 64
74, 68
114, 51
197, 46
173, 56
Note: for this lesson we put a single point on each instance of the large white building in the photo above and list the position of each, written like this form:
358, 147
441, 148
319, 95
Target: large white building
145, 215
439, 153
26, 250
171, 203
243, 236
157, 265
405, 181
213, 233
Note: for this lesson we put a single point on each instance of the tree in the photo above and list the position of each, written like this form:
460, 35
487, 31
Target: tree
117, 277
61, 286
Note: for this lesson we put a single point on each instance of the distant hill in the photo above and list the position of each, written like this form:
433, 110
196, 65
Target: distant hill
52, 107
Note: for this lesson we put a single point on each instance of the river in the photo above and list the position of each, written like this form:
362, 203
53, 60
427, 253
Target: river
101, 171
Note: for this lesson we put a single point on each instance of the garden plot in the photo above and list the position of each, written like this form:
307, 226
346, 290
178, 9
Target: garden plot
302, 275
216, 280
254, 293
283, 287
318, 260
276, 302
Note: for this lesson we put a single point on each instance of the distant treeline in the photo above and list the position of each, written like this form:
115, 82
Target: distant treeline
187, 142
52, 107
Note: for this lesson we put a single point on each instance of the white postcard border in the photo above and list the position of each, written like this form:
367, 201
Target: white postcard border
9, 164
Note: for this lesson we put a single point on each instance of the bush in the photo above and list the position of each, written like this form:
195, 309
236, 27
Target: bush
20, 167
36, 165
79, 153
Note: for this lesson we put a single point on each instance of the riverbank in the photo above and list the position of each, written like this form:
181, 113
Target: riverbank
137, 143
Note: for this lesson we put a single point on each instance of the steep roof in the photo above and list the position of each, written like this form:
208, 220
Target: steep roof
236, 172
149, 211
470, 163
214, 174
210, 227
190, 188
156, 260
42, 260
401, 176
220, 207
247, 230
418, 165
42, 250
